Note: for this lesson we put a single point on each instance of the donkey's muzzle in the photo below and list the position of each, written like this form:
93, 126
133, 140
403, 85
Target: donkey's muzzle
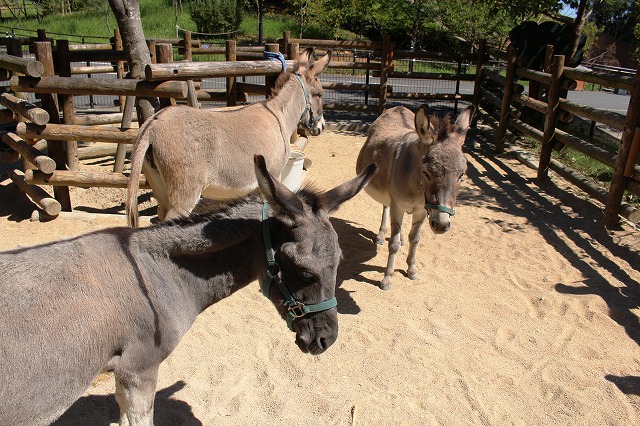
315, 334
440, 223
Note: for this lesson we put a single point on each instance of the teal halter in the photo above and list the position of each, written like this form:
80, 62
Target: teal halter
307, 109
295, 309
440, 208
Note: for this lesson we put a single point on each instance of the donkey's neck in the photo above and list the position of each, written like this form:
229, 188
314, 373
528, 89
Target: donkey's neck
206, 259
290, 102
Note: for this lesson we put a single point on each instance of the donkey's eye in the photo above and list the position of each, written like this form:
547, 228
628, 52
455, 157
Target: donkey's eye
460, 178
306, 275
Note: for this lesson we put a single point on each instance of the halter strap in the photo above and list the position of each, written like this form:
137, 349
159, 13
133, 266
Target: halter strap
295, 309
307, 109
440, 208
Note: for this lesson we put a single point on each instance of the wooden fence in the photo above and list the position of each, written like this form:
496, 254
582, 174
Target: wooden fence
49, 75
556, 80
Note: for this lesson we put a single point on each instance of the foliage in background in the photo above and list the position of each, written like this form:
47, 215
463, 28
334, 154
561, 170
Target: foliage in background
216, 16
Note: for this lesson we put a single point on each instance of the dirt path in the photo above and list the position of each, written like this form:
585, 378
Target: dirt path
526, 312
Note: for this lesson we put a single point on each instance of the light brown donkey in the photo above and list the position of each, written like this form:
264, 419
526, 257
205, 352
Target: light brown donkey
210, 152
421, 166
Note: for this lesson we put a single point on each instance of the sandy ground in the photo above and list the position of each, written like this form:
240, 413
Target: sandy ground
526, 312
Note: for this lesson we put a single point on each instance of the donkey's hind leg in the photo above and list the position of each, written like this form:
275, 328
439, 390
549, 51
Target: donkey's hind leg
418, 219
182, 201
135, 394
384, 225
396, 215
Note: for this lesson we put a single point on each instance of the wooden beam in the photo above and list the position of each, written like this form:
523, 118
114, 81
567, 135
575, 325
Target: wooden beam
26, 66
99, 86
26, 109
75, 132
82, 179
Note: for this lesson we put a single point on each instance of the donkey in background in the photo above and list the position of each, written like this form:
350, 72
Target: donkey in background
208, 152
421, 167
121, 299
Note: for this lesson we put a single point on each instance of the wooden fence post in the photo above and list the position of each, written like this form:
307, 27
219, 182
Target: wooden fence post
553, 104
619, 180
477, 87
232, 92
68, 108
507, 95
386, 59
293, 51
188, 50
55, 148
284, 48
165, 56
270, 80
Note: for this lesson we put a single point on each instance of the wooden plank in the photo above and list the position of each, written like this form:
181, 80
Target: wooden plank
433, 76
612, 119
75, 132
199, 70
29, 153
26, 109
38, 195
539, 76
26, 66
430, 96
99, 86
601, 78
82, 178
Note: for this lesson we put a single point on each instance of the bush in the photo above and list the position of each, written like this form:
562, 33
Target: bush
216, 16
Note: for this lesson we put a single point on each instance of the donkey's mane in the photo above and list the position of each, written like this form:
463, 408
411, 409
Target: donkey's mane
281, 81
442, 125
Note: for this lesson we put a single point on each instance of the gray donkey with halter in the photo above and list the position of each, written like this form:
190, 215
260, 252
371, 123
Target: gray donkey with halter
121, 299
421, 167
208, 152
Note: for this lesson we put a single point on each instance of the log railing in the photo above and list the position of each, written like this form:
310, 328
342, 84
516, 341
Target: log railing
179, 81
557, 79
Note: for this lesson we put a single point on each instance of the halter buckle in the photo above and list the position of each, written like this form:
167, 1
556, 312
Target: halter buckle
297, 310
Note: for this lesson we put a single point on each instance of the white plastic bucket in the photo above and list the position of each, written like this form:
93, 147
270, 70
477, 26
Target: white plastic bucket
292, 174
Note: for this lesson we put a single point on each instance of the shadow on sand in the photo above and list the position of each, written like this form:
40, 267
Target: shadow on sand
102, 410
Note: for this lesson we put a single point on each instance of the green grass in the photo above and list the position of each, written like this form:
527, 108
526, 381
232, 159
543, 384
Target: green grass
158, 21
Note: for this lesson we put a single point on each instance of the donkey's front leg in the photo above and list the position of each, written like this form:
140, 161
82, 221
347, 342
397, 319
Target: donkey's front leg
396, 215
135, 394
418, 219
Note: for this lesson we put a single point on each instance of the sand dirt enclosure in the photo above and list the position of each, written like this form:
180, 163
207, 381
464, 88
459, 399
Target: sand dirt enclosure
526, 312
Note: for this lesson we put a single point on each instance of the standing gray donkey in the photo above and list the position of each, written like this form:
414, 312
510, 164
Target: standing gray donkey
421, 167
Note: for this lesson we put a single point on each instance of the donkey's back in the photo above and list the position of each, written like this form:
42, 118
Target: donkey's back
389, 136
54, 297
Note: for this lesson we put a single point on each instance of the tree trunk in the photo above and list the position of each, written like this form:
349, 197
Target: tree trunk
127, 13
578, 26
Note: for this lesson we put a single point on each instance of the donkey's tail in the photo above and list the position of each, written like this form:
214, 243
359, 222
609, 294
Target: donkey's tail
137, 158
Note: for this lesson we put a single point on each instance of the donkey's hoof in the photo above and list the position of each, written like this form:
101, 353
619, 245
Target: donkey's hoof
379, 240
413, 275
385, 284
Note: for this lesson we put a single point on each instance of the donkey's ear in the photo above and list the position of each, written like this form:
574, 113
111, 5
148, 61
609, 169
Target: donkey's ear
331, 200
304, 61
423, 125
280, 198
464, 121
320, 65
